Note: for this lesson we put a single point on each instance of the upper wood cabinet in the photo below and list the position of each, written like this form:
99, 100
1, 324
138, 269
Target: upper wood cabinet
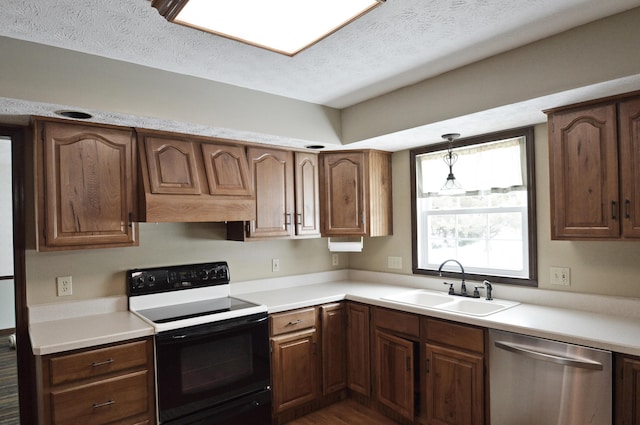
287, 198
594, 164
194, 179
87, 185
355, 193
629, 119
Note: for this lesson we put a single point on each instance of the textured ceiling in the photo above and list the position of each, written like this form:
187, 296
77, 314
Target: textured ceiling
397, 44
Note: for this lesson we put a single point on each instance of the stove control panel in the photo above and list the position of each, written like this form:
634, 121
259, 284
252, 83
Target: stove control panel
172, 278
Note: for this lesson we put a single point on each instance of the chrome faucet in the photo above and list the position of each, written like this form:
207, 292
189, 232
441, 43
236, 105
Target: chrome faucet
463, 287
489, 288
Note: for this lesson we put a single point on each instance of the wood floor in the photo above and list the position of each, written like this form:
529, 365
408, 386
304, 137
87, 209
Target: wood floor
8, 384
347, 412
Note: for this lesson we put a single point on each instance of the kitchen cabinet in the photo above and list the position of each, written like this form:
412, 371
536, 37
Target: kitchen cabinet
394, 355
294, 358
287, 198
86, 184
333, 318
627, 390
358, 349
594, 163
191, 179
355, 194
454, 386
104, 385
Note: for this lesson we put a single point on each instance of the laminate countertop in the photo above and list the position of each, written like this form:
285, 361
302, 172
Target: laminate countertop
598, 330
580, 319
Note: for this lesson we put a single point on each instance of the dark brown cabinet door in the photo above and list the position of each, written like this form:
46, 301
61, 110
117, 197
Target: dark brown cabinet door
627, 395
172, 166
334, 356
307, 213
355, 193
583, 150
294, 363
273, 182
394, 373
227, 169
344, 192
358, 349
454, 390
88, 186
629, 118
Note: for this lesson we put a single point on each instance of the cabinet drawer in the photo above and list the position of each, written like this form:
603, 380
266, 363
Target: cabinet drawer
455, 335
96, 363
291, 321
398, 321
102, 402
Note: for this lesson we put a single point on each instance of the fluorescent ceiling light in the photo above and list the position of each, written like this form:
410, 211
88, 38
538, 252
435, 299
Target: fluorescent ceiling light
283, 26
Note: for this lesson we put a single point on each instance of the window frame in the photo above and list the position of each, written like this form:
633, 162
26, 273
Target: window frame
528, 134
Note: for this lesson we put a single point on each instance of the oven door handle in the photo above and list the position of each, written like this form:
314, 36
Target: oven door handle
205, 331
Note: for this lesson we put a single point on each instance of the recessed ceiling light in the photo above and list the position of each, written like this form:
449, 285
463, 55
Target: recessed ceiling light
78, 115
283, 26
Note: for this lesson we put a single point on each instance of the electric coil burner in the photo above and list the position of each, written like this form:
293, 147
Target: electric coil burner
212, 350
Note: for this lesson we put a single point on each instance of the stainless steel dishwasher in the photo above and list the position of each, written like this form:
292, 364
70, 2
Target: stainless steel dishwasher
537, 381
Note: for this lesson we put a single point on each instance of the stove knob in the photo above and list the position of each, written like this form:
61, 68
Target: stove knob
204, 274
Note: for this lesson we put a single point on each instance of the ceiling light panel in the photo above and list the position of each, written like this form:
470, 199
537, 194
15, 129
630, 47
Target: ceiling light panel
284, 26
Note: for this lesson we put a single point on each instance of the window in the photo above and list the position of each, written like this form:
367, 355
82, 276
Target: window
490, 226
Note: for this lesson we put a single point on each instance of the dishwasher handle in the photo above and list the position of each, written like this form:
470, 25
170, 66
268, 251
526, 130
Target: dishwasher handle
537, 354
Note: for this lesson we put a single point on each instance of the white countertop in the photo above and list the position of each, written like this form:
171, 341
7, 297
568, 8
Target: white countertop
604, 331
55, 328
82, 324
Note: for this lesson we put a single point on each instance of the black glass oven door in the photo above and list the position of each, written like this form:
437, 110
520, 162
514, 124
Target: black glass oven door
201, 367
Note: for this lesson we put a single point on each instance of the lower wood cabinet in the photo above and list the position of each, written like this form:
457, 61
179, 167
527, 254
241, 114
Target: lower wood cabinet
395, 340
627, 390
394, 373
106, 385
358, 349
308, 359
454, 367
334, 354
294, 361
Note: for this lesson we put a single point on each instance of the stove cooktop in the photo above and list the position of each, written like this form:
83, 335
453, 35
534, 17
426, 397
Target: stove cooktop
171, 313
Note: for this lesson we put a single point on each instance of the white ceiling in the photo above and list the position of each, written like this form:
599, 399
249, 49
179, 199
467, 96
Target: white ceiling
397, 44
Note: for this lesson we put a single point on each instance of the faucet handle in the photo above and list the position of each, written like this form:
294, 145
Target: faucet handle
451, 291
476, 293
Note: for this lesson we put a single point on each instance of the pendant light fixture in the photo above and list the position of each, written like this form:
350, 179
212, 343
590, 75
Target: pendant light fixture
451, 185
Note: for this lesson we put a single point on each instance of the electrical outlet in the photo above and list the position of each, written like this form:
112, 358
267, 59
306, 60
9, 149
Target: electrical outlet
561, 276
275, 264
63, 285
335, 259
394, 262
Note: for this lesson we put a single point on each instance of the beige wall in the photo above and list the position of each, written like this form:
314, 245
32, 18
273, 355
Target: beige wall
596, 267
101, 272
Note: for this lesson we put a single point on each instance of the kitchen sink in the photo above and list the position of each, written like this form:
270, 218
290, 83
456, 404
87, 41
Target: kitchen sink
421, 297
454, 304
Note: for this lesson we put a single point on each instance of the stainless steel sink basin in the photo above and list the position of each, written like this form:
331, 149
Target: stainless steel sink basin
454, 304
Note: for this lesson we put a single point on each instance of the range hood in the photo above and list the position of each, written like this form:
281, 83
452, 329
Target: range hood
192, 179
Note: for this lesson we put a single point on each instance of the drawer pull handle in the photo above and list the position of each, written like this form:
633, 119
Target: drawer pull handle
105, 404
106, 362
295, 322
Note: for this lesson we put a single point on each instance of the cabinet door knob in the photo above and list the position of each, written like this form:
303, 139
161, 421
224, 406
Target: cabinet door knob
613, 210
